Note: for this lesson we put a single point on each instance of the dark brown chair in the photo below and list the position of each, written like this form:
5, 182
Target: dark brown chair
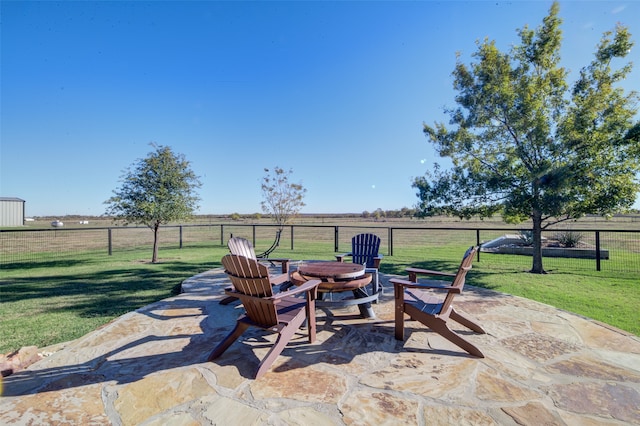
282, 313
432, 311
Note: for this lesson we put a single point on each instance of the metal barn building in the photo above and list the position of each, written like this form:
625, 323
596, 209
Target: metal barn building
11, 211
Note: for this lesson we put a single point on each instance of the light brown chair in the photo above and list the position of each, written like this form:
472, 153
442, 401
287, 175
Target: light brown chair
282, 313
432, 311
243, 247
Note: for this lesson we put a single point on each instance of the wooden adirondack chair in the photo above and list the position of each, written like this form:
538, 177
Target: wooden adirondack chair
282, 313
364, 250
432, 311
243, 247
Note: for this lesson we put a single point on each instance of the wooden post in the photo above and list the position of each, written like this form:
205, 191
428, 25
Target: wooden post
598, 251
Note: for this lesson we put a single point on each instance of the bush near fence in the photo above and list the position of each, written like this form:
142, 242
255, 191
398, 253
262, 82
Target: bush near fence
29, 245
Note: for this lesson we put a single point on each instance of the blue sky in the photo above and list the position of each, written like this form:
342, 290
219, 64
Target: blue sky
336, 91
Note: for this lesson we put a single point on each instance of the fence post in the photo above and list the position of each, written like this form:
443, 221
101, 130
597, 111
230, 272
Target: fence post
180, 236
335, 239
221, 235
390, 236
478, 244
109, 241
597, 250
291, 237
254, 235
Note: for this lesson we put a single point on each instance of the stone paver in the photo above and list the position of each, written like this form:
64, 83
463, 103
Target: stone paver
542, 366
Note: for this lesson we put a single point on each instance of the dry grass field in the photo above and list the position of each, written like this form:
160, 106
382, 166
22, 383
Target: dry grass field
627, 221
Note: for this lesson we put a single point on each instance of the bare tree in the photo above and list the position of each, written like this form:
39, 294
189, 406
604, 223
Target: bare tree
281, 198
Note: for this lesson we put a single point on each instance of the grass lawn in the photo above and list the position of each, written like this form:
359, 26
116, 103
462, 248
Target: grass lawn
47, 302
612, 298
43, 303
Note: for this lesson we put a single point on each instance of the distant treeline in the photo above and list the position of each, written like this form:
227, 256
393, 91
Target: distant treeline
377, 214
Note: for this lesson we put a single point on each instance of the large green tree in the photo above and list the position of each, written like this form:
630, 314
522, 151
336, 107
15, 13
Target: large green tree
525, 143
156, 190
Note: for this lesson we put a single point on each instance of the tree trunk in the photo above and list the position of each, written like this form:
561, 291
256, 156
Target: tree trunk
156, 242
537, 244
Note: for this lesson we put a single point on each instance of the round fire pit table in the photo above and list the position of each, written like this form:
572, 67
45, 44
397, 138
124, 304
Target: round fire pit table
338, 277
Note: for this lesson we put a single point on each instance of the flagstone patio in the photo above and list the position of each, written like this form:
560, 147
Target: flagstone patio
148, 367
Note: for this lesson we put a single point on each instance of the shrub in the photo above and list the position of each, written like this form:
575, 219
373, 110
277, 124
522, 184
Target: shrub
526, 237
569, 239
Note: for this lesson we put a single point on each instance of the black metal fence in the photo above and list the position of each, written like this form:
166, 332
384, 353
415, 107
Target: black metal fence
601, 250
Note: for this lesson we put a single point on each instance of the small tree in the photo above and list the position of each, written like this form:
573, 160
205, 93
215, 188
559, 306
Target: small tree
524, 144
281, 198
155, 191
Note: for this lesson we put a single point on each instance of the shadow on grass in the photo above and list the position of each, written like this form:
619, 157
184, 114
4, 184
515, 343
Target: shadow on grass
42, 264
107, 292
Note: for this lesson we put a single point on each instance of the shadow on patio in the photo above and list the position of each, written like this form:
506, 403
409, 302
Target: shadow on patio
542, 365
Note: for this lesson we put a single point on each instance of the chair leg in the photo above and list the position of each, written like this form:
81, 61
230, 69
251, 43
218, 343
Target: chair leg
310, 311
440, 326
466, 322
399, 317
283, 338
231, 337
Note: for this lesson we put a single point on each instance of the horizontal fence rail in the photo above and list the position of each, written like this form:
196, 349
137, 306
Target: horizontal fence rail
601, 250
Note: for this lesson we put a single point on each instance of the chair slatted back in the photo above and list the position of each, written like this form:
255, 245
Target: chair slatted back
251, 280
459, 280
364, 247
247, 275
241, 247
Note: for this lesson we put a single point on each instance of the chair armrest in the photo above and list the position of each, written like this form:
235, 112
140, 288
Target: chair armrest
340, 257
307, 286
414, 272
278, 279
430, 285
284, 263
